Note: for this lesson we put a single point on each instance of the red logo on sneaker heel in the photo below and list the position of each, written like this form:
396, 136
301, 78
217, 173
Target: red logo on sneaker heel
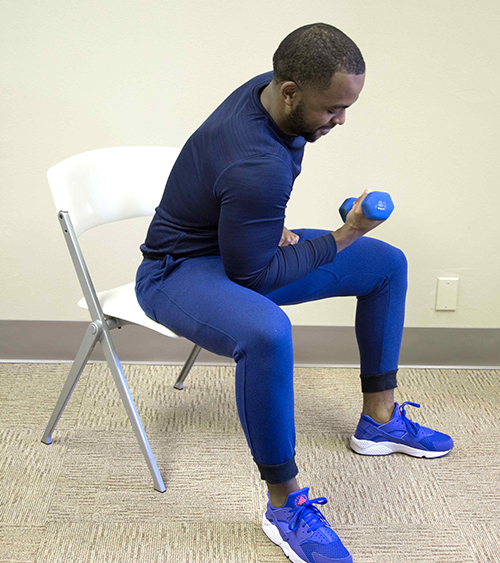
300, 500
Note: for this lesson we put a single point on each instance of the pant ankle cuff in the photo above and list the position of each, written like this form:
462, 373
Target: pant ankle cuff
379, 382
277, 474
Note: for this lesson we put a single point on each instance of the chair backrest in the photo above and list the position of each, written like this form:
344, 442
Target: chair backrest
111, 184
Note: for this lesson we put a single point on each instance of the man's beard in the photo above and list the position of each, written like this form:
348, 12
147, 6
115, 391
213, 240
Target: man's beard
297, 125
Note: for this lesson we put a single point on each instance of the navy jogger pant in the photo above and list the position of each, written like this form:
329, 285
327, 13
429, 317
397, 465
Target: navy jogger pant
195, 298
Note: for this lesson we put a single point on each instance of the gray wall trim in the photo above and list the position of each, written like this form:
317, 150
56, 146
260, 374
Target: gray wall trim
57, 341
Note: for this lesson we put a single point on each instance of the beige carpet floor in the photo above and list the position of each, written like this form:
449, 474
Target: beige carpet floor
88, 497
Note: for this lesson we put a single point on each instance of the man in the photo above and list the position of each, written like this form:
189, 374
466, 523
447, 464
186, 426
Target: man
219, 263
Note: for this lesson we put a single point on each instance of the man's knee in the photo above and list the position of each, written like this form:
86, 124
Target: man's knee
391, 260
269, 333
399, 261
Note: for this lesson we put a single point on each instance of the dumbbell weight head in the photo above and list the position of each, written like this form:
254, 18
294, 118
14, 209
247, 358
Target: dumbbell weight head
377, 206
346, 207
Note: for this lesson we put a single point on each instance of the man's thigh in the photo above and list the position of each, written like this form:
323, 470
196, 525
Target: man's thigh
358, 270
197, 300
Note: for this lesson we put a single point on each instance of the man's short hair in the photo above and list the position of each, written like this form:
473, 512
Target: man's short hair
312, 54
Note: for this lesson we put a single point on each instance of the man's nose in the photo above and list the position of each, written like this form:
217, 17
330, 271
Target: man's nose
339, 118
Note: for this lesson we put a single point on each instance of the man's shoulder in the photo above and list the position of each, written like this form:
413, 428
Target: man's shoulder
240, 125
264, 78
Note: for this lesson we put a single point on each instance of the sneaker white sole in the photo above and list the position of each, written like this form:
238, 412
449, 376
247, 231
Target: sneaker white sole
273, 534
367, 447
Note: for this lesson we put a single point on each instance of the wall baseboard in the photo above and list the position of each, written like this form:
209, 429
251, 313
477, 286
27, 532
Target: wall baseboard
313, 345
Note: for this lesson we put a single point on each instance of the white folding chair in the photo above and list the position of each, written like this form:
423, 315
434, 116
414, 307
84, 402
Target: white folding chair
91, 189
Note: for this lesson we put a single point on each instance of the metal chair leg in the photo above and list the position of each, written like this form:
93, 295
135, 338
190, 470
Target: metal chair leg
179, 384
92, 336
121, 383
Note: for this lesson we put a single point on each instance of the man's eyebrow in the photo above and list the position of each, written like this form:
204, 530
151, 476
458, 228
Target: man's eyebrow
344, 107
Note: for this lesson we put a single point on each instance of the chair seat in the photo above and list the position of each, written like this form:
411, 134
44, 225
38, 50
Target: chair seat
121, 303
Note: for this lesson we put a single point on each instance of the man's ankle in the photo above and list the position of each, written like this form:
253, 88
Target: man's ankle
278, 494
379, 405
381, 416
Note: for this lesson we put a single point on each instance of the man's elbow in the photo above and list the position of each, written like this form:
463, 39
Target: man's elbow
253, 282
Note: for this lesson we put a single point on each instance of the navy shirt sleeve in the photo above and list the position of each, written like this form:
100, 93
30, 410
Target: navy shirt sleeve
253, 194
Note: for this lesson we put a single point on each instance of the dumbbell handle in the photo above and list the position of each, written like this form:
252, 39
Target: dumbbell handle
377, 206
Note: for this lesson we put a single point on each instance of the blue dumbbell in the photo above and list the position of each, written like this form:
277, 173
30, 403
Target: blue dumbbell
376, 206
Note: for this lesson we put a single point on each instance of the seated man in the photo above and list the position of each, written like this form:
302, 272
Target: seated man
218, 264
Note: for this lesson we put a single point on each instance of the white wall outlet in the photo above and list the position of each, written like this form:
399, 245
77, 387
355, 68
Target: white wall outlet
446, 294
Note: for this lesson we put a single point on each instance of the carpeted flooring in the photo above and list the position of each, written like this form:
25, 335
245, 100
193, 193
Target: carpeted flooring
89, 497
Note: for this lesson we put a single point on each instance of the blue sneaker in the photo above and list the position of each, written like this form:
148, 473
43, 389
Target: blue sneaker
302, 532
401, 435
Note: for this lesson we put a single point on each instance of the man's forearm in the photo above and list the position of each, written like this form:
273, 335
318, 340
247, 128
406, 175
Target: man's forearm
345, 236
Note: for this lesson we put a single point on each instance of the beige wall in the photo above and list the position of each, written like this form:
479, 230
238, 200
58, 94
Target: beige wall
76, 76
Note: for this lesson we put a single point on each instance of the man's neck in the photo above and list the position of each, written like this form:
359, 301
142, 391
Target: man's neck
265, 99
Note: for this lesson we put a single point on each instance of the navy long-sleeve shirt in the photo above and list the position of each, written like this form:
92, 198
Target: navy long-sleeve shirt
227, 194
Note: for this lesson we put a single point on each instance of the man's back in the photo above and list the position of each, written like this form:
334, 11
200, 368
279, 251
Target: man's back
186, 222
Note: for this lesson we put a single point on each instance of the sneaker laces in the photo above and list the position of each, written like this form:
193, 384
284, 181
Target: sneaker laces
412, 427
310, 514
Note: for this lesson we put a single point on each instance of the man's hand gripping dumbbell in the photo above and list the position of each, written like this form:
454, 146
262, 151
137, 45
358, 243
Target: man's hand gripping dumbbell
361, 215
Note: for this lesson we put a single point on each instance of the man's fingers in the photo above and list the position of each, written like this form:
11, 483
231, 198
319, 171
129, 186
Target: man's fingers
362, 196
288, 238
